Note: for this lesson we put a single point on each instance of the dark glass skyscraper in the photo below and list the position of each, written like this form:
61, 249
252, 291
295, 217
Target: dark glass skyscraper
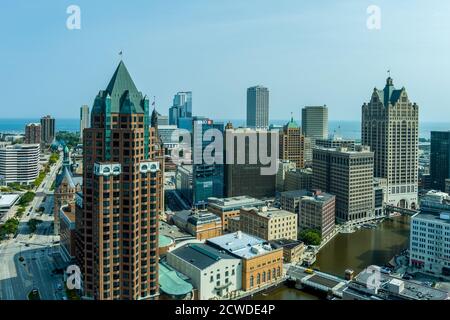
208, 178
117, 227
440, 159
258, 107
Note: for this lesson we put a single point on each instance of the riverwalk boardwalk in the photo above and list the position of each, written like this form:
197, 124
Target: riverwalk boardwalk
307, 278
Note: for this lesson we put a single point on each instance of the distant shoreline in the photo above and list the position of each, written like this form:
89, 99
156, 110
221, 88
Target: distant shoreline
350, 129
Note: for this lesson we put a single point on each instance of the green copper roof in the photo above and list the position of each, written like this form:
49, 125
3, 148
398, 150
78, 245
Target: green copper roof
171, 282
292, 124
389, 95
164, 241
121, 95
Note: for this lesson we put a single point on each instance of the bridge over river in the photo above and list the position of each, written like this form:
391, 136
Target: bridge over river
320, 281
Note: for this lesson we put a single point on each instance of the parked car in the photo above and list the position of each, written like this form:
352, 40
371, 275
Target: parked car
385, 270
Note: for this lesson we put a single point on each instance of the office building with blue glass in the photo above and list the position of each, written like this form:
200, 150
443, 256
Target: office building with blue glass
181, 108
208, 179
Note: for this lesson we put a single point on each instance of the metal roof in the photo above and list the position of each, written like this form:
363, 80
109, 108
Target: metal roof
171, 282
200, 255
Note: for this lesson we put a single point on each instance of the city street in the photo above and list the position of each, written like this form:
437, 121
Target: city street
40, 252
40, 257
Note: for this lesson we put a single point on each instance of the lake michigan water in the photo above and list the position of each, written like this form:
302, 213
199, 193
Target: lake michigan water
346, 129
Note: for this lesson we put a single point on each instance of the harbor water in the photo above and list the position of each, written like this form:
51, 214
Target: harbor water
356, 251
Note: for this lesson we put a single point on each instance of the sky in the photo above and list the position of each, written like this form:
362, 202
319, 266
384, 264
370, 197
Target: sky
305, 52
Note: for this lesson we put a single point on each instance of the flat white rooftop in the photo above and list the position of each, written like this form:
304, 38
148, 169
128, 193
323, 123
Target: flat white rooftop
8, 200
241, 244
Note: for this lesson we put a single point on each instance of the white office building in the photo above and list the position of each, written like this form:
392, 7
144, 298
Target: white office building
213, 272
19, 163
430, 242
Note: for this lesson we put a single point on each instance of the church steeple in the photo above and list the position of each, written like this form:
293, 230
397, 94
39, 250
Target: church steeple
154, 119
66, 158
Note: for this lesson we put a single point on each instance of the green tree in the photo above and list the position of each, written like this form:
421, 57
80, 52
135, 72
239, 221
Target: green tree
33, 224
53, 158
26, 199
20, 212
310, 237
10, 227
71, 139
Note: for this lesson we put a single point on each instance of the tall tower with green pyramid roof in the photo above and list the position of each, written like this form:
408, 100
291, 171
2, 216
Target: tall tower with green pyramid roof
117, 228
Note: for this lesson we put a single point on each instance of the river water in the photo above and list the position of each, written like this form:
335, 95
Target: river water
355, 251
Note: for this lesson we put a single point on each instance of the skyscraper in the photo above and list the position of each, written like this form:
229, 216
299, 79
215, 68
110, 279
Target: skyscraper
84, 119
207, 178
33, 133
292, 144
117, 228
390, 124
349, 176
258, 107
315, 122
181, 107
244, 178
440, 159
47, 130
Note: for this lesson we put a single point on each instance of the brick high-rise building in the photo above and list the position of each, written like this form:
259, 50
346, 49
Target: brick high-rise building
390, 126
33, 133
292, 144
47, 130
117, 227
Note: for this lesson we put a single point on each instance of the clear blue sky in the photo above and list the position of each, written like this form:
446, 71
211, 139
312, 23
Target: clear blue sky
306, 52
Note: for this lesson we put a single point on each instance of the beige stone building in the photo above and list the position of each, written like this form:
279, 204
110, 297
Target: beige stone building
267, 223
292, 249
390, 126
349, 176
292, 144
228, 208
262, 263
